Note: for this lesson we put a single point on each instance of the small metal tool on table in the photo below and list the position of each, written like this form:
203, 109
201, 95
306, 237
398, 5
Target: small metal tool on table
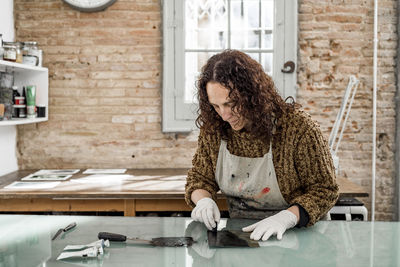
184, 241
66, 229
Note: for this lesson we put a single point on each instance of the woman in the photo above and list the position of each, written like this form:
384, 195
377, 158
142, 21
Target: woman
268, 157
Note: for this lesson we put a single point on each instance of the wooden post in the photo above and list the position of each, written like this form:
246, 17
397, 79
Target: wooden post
129, 207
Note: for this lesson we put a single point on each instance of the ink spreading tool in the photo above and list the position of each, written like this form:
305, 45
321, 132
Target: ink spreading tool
66, 229
157, 242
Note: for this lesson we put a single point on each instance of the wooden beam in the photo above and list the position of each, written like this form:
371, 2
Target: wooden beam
129, 207
45, 204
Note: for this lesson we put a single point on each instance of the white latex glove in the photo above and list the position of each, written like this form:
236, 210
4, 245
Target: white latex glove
207, 212
276, 224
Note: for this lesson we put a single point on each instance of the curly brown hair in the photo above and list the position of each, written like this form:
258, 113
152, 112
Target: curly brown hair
251, 90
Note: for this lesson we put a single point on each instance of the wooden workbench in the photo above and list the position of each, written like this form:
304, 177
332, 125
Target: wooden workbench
151, 190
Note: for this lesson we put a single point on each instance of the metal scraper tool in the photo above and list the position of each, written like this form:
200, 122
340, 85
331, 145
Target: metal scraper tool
66, 229
184, 241
230, 239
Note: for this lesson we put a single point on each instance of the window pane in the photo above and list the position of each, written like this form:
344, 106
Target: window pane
252, 13
266, 62
255, 56
248, 30
267, 8
245, 39
245, 14
206, 24
194, 62
245, 24
267, 41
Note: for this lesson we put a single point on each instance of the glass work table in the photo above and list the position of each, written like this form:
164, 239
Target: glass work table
25, 240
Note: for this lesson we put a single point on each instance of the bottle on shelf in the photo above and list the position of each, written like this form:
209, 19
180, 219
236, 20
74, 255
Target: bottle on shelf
31, 101
1, 47
15, 112
15, 92
22, 110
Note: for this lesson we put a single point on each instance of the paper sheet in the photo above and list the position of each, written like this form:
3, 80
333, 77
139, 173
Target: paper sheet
56, 171
46, 177
154, 185
90, 252
104, 178
104, 171
32, 185
160, 177
100, 244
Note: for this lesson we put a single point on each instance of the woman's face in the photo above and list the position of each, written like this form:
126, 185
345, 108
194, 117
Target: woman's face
218, 96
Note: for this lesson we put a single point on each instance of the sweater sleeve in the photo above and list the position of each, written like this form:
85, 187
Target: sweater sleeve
315, 168
201, 175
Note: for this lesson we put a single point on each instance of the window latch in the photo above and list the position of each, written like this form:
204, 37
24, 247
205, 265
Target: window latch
288, 67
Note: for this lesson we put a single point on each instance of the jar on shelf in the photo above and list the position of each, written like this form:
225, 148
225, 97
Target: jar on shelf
30, 54
13, 51
28, 46
10, 52
18, 46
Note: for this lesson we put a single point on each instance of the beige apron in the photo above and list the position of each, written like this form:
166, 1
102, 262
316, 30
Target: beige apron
249, 184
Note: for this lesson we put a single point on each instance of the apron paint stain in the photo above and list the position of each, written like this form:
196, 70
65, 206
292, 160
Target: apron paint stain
262, 192
265, 190
240, 186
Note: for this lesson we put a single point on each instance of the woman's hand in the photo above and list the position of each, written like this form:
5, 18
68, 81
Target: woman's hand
273, 225
207, 212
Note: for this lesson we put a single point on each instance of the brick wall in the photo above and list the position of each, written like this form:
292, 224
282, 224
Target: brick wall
105, 87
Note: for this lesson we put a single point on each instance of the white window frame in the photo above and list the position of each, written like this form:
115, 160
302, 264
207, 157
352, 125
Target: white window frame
285, 35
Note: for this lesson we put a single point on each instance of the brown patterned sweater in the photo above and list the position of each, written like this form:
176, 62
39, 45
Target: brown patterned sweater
302, 162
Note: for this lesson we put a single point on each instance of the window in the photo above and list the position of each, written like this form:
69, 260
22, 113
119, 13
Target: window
194, 30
